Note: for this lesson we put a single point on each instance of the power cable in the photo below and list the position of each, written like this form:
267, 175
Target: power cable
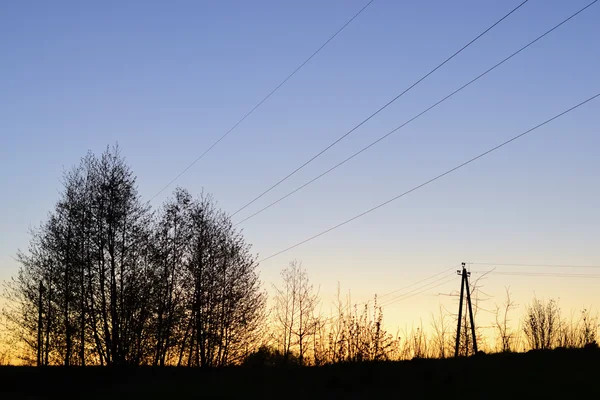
546, 274
434, 178
535, 265
412, 119
418, 289
360, 304
415, 283
453, 274
377, 112
265, 98
420, 292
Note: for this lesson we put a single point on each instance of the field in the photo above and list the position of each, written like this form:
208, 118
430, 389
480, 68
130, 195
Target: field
560, 373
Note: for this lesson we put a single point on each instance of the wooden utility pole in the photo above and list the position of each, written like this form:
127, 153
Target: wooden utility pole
464, 283
460, 305
467, 275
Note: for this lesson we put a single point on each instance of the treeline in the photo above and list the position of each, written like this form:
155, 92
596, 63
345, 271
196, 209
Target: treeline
108, 281
301, 335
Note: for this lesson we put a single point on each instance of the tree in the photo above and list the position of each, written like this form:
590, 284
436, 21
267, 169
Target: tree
588, 329
104, 282
578, 332
86, 264
169, 255
119, 292
357, 333
505, 335
295, 305
441, 330
542, 324
214, 292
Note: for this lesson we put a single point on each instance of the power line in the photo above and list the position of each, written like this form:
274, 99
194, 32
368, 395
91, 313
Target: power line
546, 274
446, 276
378, 111
436, 177
415, 283
398, 290
453, 279
272, 92
536, 265
413, 118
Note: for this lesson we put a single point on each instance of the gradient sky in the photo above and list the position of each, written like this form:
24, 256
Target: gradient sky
166, 79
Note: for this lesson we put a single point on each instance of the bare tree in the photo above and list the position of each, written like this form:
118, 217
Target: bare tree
505, 335
357, 333
588, 332
336, 337
441, 333
578, 332
101, 284
320, 340
415, 343
542, 324
295, 305
87, 258
223, 301
170, 244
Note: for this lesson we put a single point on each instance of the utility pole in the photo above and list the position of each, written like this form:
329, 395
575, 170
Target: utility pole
464, 283
467, 275
460, 305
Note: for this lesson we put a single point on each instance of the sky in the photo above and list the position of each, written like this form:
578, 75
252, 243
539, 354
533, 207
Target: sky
166, 79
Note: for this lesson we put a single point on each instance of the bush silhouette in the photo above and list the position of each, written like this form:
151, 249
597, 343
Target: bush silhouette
591, 346
267, 356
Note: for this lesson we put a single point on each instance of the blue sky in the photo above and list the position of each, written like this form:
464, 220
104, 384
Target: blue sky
166, 79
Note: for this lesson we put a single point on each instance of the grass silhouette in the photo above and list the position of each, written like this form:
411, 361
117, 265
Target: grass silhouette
550, 374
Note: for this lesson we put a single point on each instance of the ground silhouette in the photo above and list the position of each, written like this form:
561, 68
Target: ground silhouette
549, 374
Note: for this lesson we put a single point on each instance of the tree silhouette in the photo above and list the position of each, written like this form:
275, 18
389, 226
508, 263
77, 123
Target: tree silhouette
294, 312
542, 324
106, 282
505, 335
